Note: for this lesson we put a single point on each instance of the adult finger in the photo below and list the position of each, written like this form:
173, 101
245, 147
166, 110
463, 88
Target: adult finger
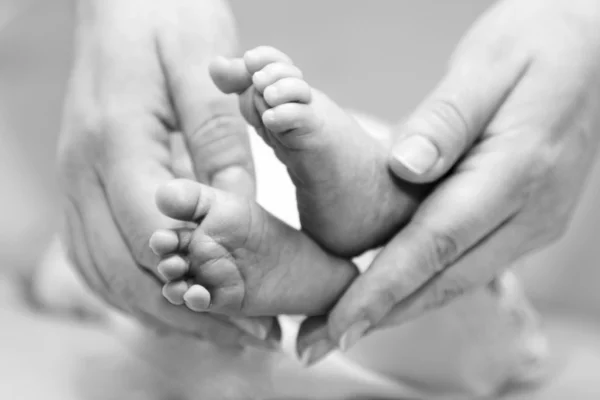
313, 341
465, 209
448, 223
215, 132
131, 184
475, 269
106, 263
446, 124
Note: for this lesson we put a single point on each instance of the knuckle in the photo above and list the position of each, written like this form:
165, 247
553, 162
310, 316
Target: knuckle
442, 249
385, 299
544, 187
446, 290
434, 250
220, 142
447, 113
533, 166
219, 122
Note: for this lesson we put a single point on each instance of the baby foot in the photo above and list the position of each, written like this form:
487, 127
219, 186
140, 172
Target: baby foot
240, 259
347, 199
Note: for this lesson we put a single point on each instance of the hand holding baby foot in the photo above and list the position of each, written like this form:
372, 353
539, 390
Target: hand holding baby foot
115, 149
513, 130
339, 171
348, 202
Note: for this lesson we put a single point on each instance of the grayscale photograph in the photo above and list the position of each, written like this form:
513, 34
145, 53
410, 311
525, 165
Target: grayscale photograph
299, 200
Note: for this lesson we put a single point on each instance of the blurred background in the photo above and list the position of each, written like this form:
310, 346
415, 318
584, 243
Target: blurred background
380, 57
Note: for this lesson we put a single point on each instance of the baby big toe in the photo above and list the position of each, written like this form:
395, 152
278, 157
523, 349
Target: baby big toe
174, 291
287, 90
290, 116
230, 75
197, 298
274, 72
184, 199
259, 57
173, 268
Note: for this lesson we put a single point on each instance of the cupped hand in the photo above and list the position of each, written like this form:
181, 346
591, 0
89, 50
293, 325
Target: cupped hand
141, 74
511, 133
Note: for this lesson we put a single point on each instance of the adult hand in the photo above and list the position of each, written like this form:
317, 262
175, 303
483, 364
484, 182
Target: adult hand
513, 129
141, 74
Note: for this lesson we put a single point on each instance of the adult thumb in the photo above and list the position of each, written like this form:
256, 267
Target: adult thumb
451, 118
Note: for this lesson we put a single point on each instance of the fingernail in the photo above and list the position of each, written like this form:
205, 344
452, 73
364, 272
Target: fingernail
416, 153
316, 352
353, 334
252, 328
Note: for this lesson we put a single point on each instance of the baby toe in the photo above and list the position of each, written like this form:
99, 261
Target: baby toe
184, 200
287, 90
274, 72
197, 298
230, 75
290, 116
173, 268
259, 57
174, 291
163, 242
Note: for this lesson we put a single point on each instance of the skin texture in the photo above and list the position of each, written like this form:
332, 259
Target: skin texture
304, 128
141, 74
243, 260
519, 109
